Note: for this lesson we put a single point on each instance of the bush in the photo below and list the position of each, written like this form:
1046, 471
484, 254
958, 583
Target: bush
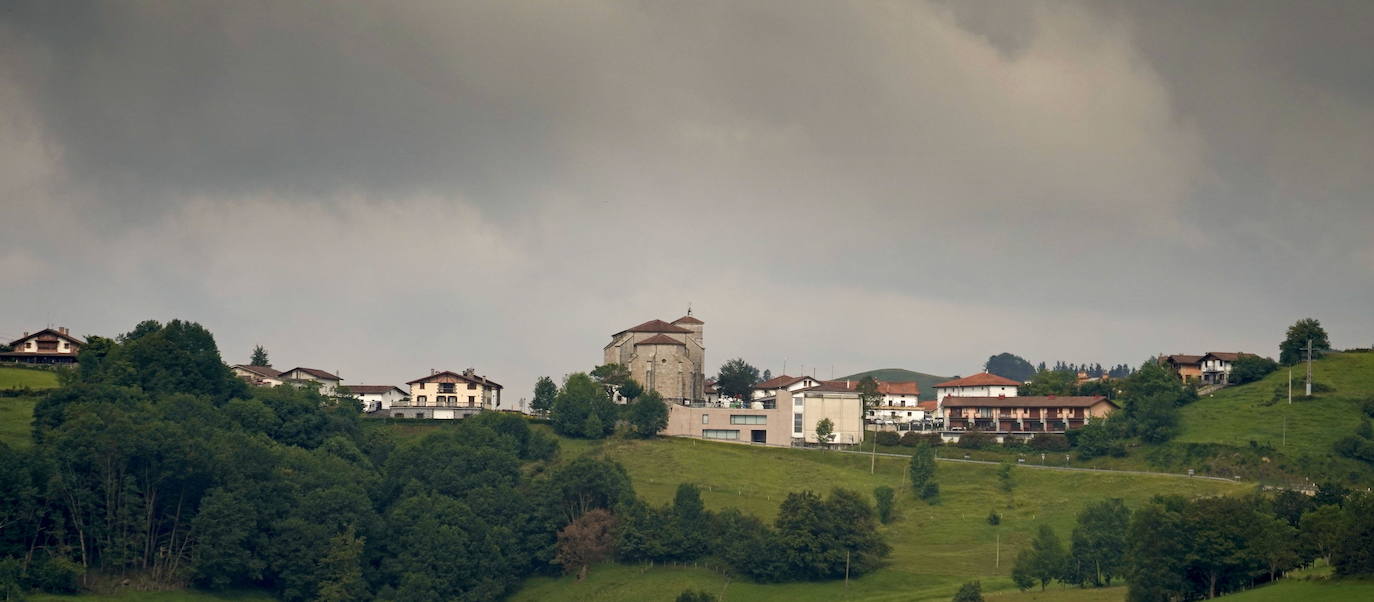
888, 438
1050, 442
930, 491
976, 440
1013, 443
970, 592
1367, 406
55, 575
910, 438
882, 496
692, 595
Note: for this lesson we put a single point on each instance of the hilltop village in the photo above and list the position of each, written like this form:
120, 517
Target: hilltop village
668, 359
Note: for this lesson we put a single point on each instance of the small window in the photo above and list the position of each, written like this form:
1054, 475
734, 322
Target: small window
720, 434
748, 419
472, 400
420, 400
706, 419
797, 401
796, 423
472, 386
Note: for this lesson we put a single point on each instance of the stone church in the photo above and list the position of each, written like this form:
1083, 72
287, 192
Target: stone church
666, 357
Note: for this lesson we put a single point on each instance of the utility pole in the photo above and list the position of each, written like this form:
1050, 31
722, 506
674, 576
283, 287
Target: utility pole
1290, 385
846, 570
1309, 367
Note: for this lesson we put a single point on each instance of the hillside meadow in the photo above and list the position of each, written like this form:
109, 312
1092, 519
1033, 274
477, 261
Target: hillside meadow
935, 548
16, 412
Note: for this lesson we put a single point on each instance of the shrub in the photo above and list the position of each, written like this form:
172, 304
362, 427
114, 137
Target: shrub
976, 440
910, 438
692, 595
882, 496
970, 592
1367, 406
888, 438
930, 491
1050, 442
55, 575
1015, 443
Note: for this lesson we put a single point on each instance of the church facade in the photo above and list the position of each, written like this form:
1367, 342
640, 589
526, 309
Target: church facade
668, 357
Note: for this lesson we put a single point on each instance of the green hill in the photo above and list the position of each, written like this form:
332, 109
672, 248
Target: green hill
935, 548
14, 377
926, 381
1259, 412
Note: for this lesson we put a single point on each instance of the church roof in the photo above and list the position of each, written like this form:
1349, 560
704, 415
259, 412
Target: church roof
660, 339
655, 326
688, 319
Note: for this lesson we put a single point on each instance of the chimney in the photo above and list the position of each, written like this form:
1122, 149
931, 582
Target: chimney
62, 329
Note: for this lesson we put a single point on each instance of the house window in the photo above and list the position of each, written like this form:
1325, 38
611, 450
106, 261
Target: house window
720, 434
748, 419
472, 386
420, 400
796, 423
797, 401
472, 400
706, 419
445, 387
985, 412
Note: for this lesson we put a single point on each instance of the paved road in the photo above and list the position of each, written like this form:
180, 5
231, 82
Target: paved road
1043, 467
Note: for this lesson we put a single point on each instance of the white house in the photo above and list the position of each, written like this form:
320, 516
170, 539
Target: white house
978, 385
47, 346
831, 400
377, 398
771, 387
1216, 366
328, 382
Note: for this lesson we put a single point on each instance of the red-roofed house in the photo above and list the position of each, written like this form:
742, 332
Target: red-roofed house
978, 385
1187, 368
258, 376
327, 381
769, 389
448, 395
664, 357
1023, 415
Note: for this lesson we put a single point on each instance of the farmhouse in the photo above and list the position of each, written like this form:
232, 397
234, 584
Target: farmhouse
770, 388
258, 376
47, 346
298, 376
664, 357
1031, 414
448, 395
1216, 366
1187, 368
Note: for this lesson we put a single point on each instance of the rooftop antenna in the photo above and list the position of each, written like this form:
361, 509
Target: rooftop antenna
689, 309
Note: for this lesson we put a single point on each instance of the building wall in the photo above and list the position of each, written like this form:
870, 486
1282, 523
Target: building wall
845, 410
481, 396
687, 421
993, 391
326, 386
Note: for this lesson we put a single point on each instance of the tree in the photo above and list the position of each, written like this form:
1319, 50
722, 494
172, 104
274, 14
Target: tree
580, 399
1050, 382
969, 592
1045, 560
818, 539
544, 393
585, 541
868, 392
1293, 349
631, 390
1155, 418
737, 379
1158, 546
1008, 365
1274, 542
1324, 528
648, 415
767, 375
825, 431
1353, 553
259, 357
1098, 544
611, 377
882, 498
1250, 368
341, 570
922, 467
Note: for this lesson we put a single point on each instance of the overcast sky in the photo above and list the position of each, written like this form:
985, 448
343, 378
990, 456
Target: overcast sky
384, 188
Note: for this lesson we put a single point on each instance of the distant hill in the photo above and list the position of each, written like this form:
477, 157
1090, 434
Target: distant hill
927, 382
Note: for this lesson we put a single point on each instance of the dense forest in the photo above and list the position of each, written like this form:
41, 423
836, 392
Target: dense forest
153, 466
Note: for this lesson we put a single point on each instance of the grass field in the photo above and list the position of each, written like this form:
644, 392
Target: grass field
935, 548
18, 378
170, 596
1239, 415
16, 418
927, 382
1318, 589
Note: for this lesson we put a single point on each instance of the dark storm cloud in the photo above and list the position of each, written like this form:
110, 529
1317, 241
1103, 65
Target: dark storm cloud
856, 183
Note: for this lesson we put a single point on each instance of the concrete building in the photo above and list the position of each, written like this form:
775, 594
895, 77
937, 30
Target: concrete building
768, 426
258, 376
376, 398
666, 357
448, 395
826, 400
978, 385
47, 346
770, 388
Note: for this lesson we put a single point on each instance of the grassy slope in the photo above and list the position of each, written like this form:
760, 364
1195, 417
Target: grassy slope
1291, 589
926, 381
16, 413
170, 596
1238, 415
18, 378
935, 548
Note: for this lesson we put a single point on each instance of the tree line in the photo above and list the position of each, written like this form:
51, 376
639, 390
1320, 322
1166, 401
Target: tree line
1175, 548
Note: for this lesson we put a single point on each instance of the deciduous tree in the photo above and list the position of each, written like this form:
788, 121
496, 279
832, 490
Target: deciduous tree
737, 379
1009, 365
1293, 349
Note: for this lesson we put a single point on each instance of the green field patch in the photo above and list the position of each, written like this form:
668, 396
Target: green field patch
16, 419
14, 377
